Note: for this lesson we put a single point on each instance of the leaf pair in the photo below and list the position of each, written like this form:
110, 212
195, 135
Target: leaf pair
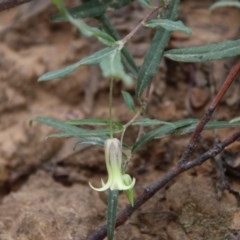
85, 136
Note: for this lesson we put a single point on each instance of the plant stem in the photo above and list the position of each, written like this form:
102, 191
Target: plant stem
128, 124
208, 114
110, 106
138, 26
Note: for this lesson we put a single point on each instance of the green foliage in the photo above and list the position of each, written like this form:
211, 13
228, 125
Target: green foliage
117, 62
94, 122
154, 55
145, 122
168, 25
205, 53
91, 9
95, 58
146, 3
129, 101
112, 67
67, 130
181, 127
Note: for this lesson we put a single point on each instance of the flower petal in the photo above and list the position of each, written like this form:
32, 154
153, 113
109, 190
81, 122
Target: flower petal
103, 188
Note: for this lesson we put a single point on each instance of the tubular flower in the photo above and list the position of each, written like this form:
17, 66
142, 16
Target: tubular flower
113, 158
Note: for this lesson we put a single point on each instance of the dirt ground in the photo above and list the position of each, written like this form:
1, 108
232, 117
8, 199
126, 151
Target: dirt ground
44, 187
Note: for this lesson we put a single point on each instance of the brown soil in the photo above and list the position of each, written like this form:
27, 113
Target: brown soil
44, 183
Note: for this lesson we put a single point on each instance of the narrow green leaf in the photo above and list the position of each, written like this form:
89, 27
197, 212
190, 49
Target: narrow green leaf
119, 4
146, 122
67, 130
95, 122
112, 212
60, 135
154, 55
168, 25
94, 141
146, 3
129, 101
209, 126
112, 67
88, 31
205, 53
60, 126
162, 131
95, 58
83, 27
227, 3
57, 3
91, 8
180, 128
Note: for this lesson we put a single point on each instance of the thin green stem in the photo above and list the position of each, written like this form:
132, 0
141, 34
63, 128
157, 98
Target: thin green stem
138, 26
110, 106
128, 124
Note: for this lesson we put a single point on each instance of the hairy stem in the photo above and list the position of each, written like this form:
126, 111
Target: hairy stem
110, 106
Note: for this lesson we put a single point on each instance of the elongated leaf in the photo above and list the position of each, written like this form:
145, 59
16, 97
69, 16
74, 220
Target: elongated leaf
119, 4
180, 128
146, 3
95, 122
129, 101
146, 122
83, 27
60, 126
88, 31
112, 67
94, 141
95, 58
162, 131
91, 9
67, 130
168, 25
227, 3
205, 53
154, 55
112, 212
209, 126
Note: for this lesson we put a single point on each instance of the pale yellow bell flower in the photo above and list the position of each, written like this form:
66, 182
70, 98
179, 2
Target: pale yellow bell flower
116, 178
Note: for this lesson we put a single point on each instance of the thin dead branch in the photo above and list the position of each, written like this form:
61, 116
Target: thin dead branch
7, 4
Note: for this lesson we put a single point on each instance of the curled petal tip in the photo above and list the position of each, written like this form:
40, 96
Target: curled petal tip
103, 188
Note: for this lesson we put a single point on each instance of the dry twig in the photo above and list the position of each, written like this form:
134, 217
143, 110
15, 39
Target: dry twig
6, 4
